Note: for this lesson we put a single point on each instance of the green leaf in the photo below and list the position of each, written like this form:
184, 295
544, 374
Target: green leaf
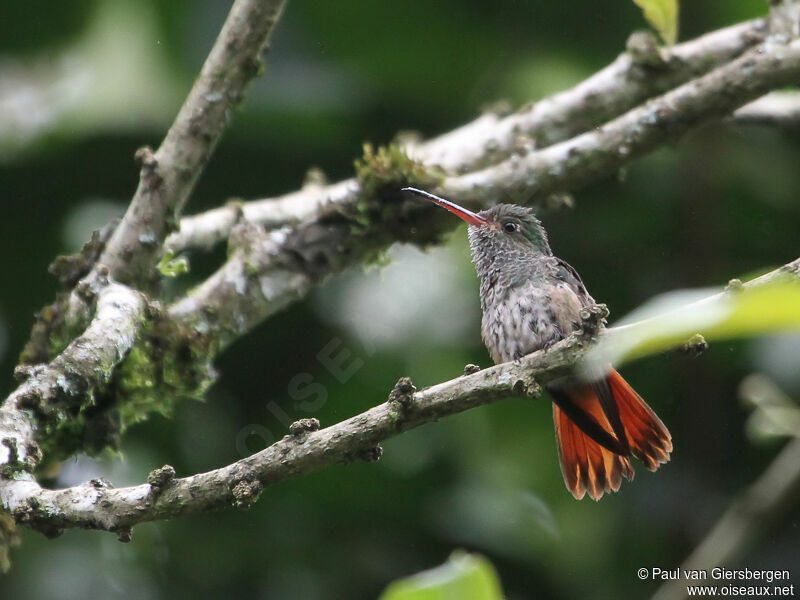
671, 320
663, 16
172, 266
462, 577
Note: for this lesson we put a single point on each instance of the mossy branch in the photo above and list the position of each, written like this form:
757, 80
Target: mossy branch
306, 448
133, 357
282, 265
494, 137
131, 250
57, 395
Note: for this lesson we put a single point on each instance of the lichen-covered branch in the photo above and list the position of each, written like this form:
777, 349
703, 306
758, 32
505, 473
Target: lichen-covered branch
169, 175
597, 153
131, 249
96, 505
267, 270
257, 270
641, 72
71, 378
280, 266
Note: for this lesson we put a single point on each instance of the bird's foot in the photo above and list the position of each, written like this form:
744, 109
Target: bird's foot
547, 345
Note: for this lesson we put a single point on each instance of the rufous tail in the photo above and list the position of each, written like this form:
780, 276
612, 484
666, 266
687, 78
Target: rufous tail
599, 427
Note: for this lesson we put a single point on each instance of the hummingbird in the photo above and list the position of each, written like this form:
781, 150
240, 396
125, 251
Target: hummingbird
530, 299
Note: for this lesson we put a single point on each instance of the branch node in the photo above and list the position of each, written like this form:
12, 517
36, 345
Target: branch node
88, 288
403, 393
526, 387
145, 158
158, 478
372, 454
149, 164
533, 389
315, 177
734, 285
592, 319
69, 269
302, 426
471, 369
124, 534
246, 492
695, 345
25, 372
642, 47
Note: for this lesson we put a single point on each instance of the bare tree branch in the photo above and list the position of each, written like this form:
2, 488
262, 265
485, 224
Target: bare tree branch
636, 75
594, 154
308, 448
169, 175
643, 71
779, 109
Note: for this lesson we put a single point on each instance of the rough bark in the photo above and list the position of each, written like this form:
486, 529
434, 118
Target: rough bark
280, 248
97, 505
169, 175
643, 71
277, 267
85, 365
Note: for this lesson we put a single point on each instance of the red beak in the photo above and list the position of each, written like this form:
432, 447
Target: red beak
462, 213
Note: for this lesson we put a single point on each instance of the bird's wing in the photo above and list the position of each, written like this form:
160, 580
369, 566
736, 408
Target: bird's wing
570, 294
565, 273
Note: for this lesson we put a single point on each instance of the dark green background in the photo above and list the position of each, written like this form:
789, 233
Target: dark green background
719, 204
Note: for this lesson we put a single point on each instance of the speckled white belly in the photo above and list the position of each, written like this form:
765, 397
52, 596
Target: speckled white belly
529, 318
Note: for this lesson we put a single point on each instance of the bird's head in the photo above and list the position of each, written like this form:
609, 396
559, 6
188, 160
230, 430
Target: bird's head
502, 229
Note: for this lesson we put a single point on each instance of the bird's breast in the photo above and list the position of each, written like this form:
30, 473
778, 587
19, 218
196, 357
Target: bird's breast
527, 318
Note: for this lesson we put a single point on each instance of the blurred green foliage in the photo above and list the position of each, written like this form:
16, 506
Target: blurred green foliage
663, 16
718, 204
462, 577
673, 319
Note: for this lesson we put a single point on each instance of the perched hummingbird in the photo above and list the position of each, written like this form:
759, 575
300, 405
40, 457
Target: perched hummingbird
531, 299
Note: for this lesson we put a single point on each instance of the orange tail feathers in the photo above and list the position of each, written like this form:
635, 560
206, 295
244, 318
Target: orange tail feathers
593, 450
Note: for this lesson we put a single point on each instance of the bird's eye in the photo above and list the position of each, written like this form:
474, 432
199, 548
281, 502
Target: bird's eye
510, 227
